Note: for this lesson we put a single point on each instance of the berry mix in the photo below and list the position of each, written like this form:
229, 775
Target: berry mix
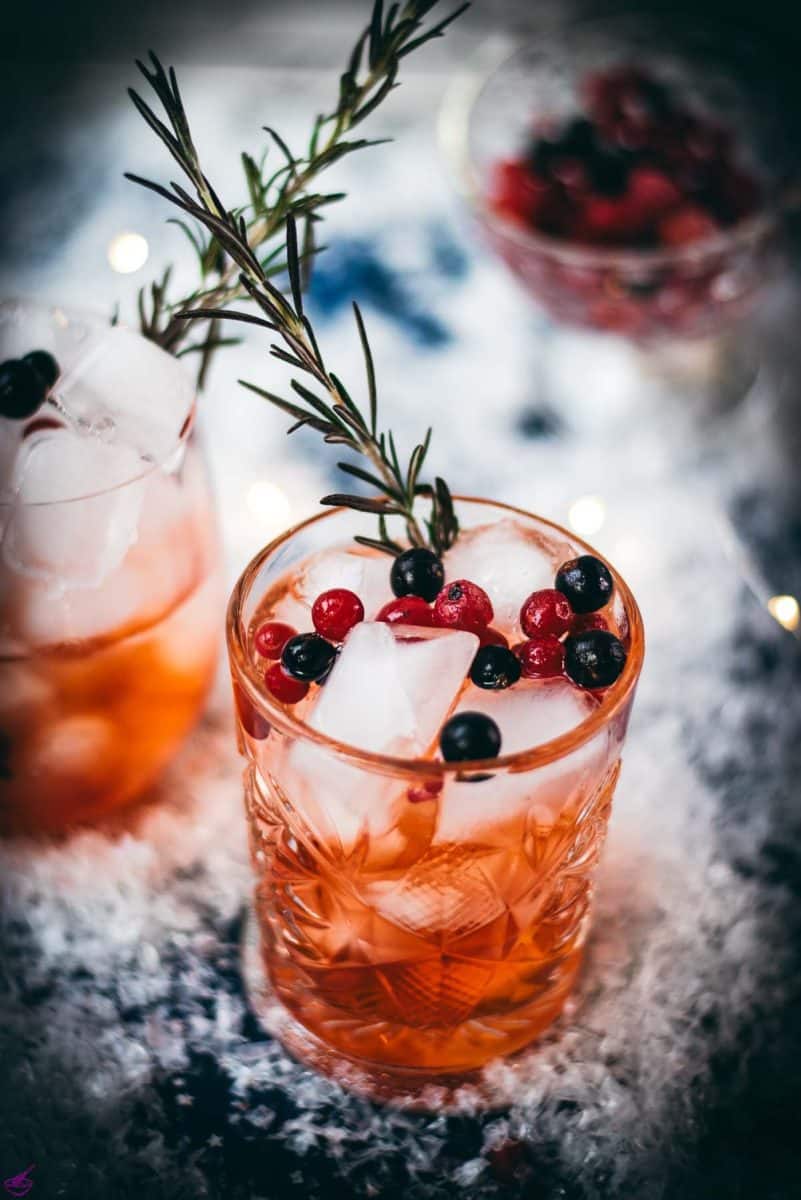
637, 170
565, 635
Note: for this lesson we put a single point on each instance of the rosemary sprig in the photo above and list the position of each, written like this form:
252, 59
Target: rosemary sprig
334, 413
330, 409
274, 192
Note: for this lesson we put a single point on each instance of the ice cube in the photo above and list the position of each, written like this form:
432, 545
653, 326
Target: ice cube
126, 389
112, 381
528, 715
447, 892
532, 712
508, 561
76, 543
79, 747
388, 693
346, 567
341, 567
391, 689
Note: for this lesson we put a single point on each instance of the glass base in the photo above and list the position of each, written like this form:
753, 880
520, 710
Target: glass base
415, 1088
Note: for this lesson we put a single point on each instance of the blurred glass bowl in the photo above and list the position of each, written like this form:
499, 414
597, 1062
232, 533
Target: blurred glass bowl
644, 294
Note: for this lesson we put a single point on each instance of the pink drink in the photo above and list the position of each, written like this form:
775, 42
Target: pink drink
109, 589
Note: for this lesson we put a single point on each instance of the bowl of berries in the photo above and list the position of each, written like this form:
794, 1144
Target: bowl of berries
630, 175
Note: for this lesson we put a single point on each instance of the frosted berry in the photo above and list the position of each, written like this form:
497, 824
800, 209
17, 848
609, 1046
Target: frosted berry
417, 572
307, 656
492, 637
334, 613
546, 611
463, 605
584, 622
594, 659
541, 657
687, 224
22, 389
586, 582
44, 365
271, 637
283, 686
518, 194
494, 668
429, 790
469, 735
250, 718
407, 610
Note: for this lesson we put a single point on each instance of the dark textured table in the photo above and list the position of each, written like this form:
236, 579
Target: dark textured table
131, 1063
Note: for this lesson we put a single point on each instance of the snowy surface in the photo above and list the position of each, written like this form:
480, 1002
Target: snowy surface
131, 1066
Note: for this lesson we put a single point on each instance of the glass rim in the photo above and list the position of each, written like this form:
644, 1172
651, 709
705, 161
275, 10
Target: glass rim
612, 703
453, 134
92, 319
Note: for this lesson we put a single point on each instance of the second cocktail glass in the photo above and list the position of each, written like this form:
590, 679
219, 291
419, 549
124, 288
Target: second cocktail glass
110, 591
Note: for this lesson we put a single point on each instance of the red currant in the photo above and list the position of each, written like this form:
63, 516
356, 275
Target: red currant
583, 622
407, 610
40, 424
652, 193
250, 718
687, 224
270, 638
517, 193
283, 686
546, 611
424, 791
463, 605
541, 657
334, 613
492, 637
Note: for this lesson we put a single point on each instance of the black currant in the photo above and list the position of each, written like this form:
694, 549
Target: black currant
324, 677
594, 659
417, 572
469, 735
44, 365
494, 668
610, 172
586, 582
308, 657
22, 389
578, 138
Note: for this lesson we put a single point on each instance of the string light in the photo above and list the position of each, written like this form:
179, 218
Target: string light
127, 252
269, 504
586, 515
785, 610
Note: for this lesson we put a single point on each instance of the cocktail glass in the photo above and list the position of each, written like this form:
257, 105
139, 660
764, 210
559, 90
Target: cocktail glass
110, 591
418, 918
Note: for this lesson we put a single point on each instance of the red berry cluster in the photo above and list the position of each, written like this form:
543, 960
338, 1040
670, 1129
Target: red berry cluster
459, 605
301, 659
546, 617
639, 170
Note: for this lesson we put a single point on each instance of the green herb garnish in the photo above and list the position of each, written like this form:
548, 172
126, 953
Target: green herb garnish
277, 185
248, 273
